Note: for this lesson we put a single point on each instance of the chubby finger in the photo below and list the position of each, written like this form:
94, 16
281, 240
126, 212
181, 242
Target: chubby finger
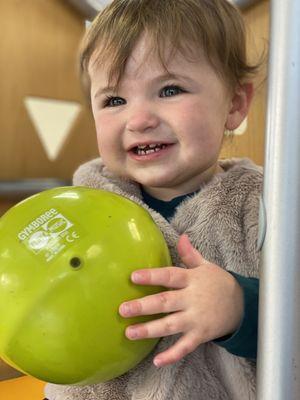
163, 302
169, 277
185, 345
166, 326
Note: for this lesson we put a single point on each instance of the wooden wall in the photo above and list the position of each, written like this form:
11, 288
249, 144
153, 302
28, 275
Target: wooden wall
39, 42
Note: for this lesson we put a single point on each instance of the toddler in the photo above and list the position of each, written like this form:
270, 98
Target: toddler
166, 79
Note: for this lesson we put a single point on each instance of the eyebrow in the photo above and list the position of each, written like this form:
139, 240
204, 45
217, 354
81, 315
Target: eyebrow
160, 78
107, 89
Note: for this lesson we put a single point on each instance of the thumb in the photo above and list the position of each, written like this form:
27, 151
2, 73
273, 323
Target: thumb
188, 254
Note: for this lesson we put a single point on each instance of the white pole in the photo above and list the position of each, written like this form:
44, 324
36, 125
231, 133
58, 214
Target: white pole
278, 373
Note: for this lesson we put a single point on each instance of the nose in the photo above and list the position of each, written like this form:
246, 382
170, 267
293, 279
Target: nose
142, 120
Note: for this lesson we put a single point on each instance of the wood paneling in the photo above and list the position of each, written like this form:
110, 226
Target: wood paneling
39, 42
251, 144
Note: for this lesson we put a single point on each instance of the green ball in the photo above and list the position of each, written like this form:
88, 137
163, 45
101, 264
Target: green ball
66, 256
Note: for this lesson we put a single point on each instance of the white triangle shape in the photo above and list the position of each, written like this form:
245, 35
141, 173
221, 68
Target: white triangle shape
53, 120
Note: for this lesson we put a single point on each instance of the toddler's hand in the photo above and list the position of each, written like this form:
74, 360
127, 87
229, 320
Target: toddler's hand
206, 303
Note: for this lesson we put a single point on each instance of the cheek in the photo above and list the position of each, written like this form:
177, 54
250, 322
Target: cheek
109, 138
204, 127
104, 129
103, 143
196, 119
209, 116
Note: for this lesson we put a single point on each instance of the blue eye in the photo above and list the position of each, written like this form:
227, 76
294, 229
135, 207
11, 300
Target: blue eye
171, 90
111, 101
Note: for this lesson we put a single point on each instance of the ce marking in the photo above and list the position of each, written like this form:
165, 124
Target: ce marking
72, 237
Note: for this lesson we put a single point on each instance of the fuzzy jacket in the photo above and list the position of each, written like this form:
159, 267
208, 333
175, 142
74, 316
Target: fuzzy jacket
221, 221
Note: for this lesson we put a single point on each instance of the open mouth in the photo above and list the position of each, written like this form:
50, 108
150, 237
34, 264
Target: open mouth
143, 150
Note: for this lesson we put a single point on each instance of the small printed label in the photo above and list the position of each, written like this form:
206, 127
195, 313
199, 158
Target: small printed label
49, 234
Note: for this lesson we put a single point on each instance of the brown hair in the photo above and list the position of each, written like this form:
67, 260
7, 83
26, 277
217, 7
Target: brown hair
213, 26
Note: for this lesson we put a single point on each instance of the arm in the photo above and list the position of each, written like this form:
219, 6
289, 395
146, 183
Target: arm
7, 372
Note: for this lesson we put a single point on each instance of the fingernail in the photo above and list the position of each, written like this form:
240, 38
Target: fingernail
125, 309
136, 277
131, 333
157, 362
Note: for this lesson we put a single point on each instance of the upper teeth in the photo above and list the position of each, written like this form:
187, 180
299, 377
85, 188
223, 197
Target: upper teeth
152, 146
149, 148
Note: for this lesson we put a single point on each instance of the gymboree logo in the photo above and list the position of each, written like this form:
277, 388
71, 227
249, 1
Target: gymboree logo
48, 226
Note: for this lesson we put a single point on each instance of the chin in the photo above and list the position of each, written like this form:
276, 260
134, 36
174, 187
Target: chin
144, 178
154, 183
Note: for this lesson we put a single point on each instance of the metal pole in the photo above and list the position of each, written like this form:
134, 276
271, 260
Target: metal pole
278, 375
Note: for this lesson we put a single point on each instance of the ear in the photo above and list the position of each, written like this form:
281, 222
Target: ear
240, 104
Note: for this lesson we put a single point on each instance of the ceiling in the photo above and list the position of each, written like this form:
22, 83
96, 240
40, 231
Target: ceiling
90, 8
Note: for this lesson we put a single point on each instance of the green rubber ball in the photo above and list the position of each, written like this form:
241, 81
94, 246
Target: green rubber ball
66, 256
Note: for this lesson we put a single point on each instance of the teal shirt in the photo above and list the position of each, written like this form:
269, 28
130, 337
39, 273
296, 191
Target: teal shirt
243, 342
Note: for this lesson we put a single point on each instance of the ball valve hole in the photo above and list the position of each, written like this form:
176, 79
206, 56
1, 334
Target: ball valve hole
75, 262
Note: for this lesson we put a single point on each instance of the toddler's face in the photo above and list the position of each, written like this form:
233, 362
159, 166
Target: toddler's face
162, 132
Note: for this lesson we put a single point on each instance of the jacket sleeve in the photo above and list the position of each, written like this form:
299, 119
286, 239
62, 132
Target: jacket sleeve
243, 342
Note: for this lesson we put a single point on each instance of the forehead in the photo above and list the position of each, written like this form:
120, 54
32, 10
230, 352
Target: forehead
146, 56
